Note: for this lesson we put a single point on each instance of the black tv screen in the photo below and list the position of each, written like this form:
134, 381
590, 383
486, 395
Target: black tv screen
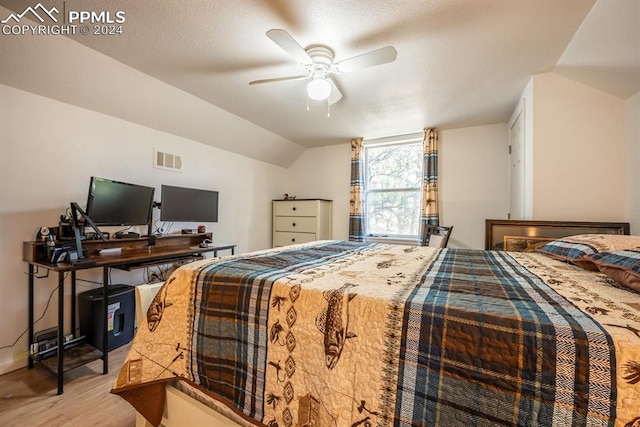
188, 204
119, 203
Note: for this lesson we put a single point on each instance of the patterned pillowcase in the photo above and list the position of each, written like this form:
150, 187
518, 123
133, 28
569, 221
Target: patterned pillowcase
621, 266
578, 249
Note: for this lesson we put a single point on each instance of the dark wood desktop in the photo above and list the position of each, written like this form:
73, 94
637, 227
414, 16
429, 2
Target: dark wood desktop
125, 254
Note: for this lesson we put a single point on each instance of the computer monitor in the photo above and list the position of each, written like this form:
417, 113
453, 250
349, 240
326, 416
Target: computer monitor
118, 203
182, 204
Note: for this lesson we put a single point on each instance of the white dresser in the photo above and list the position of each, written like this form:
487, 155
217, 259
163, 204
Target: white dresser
301, 221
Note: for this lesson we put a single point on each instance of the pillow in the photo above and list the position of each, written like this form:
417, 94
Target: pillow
621, 266
436, 241
577, 249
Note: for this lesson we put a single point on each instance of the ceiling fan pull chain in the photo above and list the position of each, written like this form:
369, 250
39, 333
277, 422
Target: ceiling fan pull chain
307, 102
328, 108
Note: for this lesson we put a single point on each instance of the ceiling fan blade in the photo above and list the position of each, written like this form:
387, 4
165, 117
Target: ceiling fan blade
289, 45
278, 79
336, 95
369, 59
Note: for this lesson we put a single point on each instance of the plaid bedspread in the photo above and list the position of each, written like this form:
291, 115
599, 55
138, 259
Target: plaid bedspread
351, 334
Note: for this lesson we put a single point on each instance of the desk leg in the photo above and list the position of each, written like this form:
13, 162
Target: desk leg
73, 303
105, 332
60, 331
31, 273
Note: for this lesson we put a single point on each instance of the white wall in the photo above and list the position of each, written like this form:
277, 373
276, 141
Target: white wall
473, 166
632, 135
579, 152
50, 150
474, 181
324, 173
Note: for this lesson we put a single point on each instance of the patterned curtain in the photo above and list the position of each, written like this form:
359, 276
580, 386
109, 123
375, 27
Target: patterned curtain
430, 211
356, 214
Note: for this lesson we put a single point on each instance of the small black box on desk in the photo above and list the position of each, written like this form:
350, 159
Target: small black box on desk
121, 314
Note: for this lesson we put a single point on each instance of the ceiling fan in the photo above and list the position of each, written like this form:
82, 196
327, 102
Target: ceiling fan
319, 62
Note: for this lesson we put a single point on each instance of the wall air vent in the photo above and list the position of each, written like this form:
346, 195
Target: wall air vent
167, 161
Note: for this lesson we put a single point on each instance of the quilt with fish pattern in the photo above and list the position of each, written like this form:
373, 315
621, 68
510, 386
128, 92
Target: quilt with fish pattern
338, 333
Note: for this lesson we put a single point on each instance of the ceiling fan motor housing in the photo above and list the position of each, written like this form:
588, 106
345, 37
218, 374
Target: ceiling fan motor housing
322, 58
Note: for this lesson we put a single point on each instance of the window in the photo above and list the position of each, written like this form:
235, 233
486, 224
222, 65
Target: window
393, 188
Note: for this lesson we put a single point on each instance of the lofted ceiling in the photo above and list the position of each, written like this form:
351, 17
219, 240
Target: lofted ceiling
459, 62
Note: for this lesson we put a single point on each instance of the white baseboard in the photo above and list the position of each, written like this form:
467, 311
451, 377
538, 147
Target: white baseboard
12, 365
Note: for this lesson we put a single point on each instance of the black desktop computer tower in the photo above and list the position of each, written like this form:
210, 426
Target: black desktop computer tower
120, 315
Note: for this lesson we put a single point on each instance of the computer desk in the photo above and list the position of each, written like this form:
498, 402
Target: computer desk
124, 254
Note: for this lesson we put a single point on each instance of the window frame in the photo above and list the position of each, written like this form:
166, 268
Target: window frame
416, 139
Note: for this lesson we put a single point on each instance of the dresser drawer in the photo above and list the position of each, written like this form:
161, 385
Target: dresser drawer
284, 238
301, 221
299, 224
296, 208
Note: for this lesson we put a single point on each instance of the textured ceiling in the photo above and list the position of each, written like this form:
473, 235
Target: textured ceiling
460, 62
605, 51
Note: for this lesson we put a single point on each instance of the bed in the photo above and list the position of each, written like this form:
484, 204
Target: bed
337, 333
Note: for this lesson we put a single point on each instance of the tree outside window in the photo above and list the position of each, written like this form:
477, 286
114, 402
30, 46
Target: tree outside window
393, 189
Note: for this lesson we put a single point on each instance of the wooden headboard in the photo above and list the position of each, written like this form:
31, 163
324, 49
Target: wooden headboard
521, 235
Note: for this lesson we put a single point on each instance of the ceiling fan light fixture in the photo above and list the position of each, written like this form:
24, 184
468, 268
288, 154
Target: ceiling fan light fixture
319, 89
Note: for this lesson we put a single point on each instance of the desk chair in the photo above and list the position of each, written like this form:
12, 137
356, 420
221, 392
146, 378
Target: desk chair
437, 236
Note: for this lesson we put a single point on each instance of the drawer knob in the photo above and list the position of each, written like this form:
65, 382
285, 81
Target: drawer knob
294, 224
293, 240
294, 208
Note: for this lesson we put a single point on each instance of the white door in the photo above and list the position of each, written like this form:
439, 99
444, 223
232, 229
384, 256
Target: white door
516, 170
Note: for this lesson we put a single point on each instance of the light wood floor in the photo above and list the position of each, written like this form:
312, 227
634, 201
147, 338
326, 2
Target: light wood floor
28, 397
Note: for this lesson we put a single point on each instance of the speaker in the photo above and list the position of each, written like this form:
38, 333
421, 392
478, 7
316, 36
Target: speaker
43, 233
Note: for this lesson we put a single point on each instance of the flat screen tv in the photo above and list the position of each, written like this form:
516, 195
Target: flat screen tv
119, 203
183, 204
